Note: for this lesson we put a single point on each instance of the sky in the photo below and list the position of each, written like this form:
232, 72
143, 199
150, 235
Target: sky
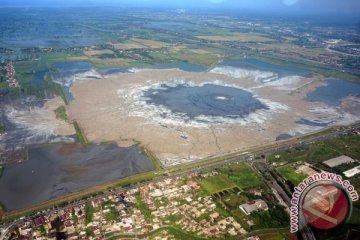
311, 6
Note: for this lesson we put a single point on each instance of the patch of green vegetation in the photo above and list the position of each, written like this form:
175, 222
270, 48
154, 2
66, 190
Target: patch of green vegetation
74, 218
4, 85
141, 205
242, 175
195, 58
289, 174
44, 230
273, 218
49, 58
61, 113
234, 201
241, 218
112, 216
89, 213
2, 128
321, 151
156, 162
89, 232
1, 170
272, 236
79, 133
179, 234
56, 87
172, 219
216, 183
354, 218
344, 167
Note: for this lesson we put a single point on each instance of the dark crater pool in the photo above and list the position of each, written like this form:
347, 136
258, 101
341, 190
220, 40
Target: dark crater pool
206, 100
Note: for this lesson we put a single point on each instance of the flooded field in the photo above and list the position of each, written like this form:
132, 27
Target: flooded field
60, 169
69, 72
29, 120
334, 92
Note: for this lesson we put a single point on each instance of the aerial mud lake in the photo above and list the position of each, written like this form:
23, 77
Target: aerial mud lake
60, 169
206, 100
185, 115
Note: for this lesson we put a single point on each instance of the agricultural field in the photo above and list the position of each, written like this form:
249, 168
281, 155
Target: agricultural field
217, 183
245, 37
242, 175
289, 173
273, 236
136, 43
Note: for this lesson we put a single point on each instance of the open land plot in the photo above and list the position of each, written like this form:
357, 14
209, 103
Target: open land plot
241, 37
187, 55
321, 151
216, 183
234, 201
289, 173
242, 175
272, 236
93, 52
292, 48
136, 43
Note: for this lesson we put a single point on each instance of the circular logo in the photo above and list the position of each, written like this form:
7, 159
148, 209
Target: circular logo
325, 206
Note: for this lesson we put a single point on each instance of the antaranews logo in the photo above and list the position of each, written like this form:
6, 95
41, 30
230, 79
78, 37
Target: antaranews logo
322, 200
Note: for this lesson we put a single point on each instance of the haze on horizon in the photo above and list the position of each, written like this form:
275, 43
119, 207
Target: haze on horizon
301, 6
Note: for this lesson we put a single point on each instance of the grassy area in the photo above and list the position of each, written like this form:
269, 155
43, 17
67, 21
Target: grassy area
216, 183
241, 37
320, 151
179, 234
89, 213
273, 218
156, 162
289, 174
74, 218
234, 201
79, 133
272, 236
141, 205
89, 232
56, 87
195, 58
61, 113
112, 216
242, 175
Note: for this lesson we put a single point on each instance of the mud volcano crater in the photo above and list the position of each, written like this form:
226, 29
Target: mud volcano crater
204, 100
